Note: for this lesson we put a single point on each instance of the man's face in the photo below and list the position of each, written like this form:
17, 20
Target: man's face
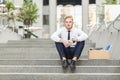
68, 23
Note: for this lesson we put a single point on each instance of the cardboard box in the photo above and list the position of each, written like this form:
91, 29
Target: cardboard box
98, 54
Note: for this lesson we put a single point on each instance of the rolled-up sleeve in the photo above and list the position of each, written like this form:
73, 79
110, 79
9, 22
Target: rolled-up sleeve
82, 36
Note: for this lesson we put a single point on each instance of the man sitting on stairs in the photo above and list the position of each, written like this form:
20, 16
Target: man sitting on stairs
69, 42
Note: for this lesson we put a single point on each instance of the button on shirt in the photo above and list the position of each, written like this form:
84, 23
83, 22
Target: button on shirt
62, 33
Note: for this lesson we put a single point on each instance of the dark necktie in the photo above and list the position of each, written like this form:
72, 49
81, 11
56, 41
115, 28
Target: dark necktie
68, 51
68, 35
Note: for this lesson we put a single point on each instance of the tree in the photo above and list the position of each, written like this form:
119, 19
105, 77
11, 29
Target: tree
28, 14
10, 7
110, 2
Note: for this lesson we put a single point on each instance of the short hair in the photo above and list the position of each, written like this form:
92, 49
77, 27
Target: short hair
66, 17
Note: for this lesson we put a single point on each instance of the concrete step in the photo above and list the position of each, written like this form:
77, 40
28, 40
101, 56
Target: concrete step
27, 50
32, 53
30, 40
34, 56
48, 52
33, 43
59, 76
37, 42
32, 46
18, 42
29, 54
57, 69
29, 57
26, 46
58, 62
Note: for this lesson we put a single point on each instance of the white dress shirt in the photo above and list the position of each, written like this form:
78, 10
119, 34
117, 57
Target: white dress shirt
75, 33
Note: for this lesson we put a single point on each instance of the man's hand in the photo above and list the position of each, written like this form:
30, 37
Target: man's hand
67, 43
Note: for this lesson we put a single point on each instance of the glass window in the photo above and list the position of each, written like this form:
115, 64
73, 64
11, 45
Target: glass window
92, 1
92, 14
75, 11
4, 1
45, 2
66, 2
69, 7
45, 19
0, 1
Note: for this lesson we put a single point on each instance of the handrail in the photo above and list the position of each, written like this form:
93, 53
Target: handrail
31, 33
101, 25
98, 26
115, 27
116, 19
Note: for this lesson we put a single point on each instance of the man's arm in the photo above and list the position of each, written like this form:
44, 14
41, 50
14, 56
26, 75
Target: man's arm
67, 43
56, 37
82, 36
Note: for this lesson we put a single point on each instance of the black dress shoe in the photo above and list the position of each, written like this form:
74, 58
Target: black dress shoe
73, 65
65, 64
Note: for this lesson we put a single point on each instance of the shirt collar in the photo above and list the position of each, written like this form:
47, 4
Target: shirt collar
70, 30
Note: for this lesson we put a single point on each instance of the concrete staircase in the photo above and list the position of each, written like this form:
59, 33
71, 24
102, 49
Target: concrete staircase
7, 34
37, 59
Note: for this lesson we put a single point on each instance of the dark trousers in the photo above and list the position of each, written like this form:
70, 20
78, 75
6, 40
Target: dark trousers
70, 52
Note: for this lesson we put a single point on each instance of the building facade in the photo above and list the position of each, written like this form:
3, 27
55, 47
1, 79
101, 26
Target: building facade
48, 13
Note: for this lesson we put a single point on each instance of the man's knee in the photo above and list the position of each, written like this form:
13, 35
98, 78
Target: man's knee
59, 44
80, 44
